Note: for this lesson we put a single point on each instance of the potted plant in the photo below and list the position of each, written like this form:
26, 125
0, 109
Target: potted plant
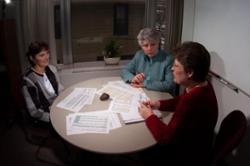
112, 52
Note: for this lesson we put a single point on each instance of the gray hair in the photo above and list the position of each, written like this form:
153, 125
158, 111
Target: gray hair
148, 34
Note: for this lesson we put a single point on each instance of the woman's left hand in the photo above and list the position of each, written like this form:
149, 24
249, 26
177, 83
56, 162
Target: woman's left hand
145, 110
137, 85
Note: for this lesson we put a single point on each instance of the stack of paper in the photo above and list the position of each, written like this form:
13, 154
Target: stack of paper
125, 101
131, 117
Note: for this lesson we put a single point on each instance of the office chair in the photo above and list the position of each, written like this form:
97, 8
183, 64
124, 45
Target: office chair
39, 134
35, 132
230, 134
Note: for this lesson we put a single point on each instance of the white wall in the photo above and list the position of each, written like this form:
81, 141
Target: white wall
228, 99
223, 26
188, 20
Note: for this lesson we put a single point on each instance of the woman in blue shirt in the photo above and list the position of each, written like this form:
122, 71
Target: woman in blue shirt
151, 67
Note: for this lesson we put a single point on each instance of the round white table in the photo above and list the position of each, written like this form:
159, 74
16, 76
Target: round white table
128, 138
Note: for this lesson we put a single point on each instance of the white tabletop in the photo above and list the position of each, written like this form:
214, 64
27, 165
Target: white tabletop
128, 138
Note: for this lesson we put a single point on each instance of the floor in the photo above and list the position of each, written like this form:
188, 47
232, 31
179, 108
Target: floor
16, 150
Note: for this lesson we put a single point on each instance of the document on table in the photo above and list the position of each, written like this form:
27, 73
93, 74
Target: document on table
77, 99
92, 122
133, 114
123, 85
87, 123
119, 107
111, 90
125, 101
117, 89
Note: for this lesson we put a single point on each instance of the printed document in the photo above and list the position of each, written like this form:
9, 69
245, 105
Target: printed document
77, 99
92, 122
87, 123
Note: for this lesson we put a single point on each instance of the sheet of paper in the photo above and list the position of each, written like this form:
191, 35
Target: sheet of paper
77, 99
123, 85
69, 129
91, 123
127, 102
115, 92
90, 92
80, 123
127, 106
119, 107
114, 121
133, 115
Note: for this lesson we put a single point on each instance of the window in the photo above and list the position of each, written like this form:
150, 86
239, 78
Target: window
93, 23
57, 21
120, 19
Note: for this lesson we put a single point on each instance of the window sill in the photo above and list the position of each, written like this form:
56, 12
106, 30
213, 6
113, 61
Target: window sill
91, 66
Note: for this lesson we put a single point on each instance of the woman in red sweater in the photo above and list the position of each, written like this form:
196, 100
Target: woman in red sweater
187, 138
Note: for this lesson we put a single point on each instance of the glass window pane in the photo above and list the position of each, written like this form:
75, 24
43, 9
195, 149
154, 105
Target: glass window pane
58, 33
92, 25
121, 19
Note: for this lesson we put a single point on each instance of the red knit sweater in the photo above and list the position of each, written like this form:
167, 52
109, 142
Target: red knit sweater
191, 128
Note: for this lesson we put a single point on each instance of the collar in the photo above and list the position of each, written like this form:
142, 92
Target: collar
156, 57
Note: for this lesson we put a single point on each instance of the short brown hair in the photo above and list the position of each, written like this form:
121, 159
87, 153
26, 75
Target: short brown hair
194, 57
35, 48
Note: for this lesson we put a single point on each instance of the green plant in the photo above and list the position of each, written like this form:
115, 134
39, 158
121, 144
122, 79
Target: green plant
112, 49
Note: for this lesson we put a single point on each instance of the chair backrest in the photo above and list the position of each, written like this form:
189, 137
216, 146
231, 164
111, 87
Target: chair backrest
35, 131
232, 129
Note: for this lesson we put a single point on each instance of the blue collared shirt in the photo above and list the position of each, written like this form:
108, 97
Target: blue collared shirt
157, 71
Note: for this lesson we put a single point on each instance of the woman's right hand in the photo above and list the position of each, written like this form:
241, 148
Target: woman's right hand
138, 78
153, 104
